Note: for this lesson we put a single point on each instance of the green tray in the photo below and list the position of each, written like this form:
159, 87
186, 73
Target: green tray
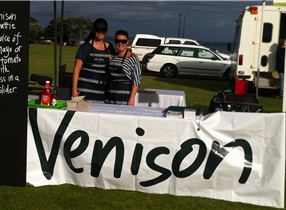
182, 109
37, 104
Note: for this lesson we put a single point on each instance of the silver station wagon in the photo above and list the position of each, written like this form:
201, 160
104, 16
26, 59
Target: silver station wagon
171, 60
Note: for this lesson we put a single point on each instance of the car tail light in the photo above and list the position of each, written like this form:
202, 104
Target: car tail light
240, 60
254, 10
150, 56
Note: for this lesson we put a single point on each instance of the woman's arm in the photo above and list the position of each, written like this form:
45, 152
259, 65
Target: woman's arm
77, 68
132, 95
136, 79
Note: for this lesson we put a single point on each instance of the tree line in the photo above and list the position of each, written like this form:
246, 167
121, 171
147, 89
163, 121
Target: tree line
75, 29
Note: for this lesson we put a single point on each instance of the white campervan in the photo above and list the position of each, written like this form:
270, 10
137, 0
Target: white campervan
146, 43
255, 44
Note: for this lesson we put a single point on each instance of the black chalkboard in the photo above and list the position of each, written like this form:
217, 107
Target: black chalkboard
14, 64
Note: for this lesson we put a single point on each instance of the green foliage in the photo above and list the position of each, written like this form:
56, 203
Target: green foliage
81, 27
36, 29
33, 20
73, 28
49, 30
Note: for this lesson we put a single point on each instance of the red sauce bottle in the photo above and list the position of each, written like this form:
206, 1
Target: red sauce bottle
54, 98
46, 95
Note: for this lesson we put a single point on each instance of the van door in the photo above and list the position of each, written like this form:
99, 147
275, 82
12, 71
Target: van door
270, 38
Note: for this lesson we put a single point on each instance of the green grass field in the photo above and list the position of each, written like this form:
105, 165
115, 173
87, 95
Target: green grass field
199, 92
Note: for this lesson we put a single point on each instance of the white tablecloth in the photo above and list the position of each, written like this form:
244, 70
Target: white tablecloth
162, 99
127, 110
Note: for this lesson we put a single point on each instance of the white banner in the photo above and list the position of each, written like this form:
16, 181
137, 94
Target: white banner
231, 156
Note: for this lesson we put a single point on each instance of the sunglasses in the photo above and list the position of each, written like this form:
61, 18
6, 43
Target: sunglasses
123, 41
98, 29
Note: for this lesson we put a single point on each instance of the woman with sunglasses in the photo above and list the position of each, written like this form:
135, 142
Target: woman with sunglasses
124, 73
91, 64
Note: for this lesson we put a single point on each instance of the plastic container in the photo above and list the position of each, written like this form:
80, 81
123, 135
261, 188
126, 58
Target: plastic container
241, 87
54, 98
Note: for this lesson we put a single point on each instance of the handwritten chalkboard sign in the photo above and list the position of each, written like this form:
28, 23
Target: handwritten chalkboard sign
14, 64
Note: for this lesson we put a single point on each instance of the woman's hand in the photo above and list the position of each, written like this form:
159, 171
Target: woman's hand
131, 102
132, 95
74, 92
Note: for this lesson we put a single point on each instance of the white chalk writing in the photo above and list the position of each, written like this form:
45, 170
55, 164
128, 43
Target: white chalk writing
10, 48
7, 16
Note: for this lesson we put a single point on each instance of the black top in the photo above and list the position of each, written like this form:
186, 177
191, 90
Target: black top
84, 50
280, 57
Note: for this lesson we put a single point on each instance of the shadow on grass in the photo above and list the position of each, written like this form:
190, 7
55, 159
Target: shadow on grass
208, 83
269, 93
201, 82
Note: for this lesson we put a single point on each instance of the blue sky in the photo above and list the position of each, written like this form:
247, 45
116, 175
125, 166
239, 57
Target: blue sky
204, 20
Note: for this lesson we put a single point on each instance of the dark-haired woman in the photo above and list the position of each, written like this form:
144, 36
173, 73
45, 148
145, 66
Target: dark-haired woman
91, 64
280, 57
124, 73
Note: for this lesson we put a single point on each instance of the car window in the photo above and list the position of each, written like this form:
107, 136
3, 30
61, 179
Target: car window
148, 42
190, 43
188, 52
174, 42
169, 50
205, 54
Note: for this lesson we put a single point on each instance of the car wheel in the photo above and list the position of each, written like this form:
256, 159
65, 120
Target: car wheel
169, 70
228, 74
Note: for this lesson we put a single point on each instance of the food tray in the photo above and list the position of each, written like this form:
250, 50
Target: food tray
37, 104
182, 108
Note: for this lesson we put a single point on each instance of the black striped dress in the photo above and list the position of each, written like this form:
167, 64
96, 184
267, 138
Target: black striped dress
121, 78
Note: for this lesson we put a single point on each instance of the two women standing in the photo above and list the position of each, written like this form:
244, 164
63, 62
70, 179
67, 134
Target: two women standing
100, 74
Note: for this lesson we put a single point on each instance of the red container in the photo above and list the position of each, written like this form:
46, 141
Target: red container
241, 87
46, 95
